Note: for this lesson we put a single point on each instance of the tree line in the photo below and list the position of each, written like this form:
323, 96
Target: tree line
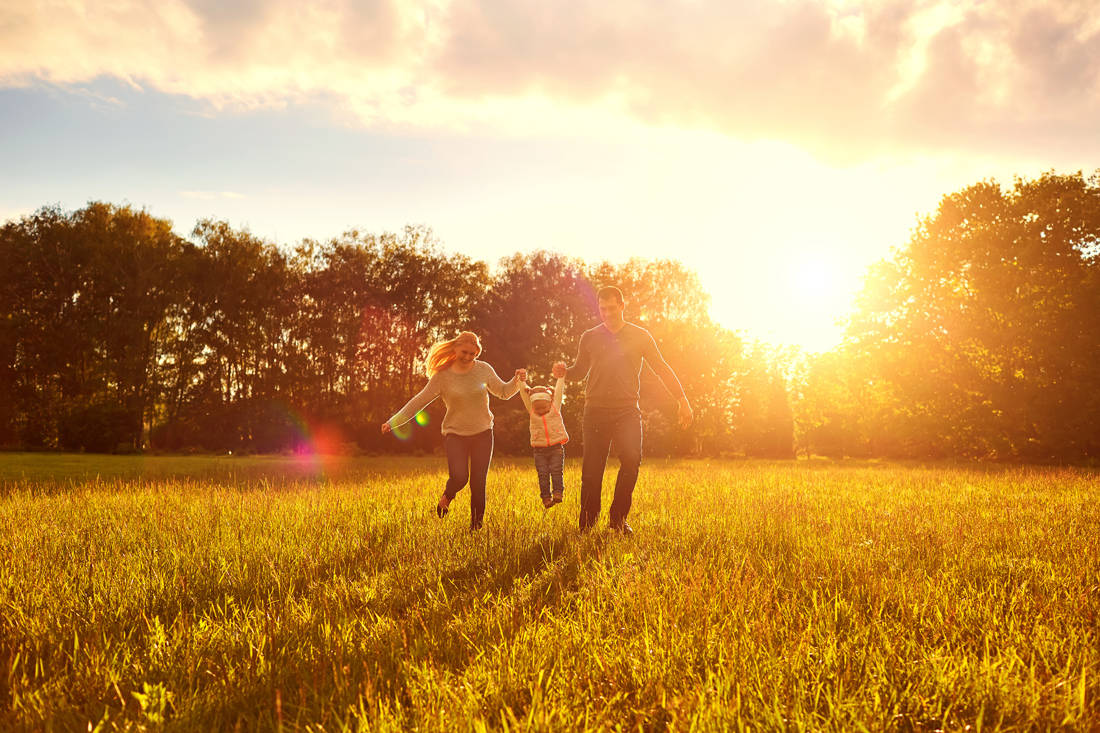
119, 335
979, 337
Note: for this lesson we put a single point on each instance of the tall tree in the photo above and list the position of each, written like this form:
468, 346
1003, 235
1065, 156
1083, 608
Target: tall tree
86, 303
135, 261
984, 324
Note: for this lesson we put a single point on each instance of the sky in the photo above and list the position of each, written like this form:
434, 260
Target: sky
777, 148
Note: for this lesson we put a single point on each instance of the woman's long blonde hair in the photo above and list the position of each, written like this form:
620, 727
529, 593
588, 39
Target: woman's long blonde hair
442, 355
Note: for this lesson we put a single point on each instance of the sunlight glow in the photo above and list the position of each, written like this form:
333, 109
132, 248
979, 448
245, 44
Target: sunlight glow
798, 299
814, 282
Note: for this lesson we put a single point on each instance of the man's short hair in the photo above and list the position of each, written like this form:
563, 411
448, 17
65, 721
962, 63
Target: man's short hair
610, 291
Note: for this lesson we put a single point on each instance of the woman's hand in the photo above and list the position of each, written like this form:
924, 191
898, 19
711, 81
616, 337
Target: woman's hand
386, 427
559, 370
521, 375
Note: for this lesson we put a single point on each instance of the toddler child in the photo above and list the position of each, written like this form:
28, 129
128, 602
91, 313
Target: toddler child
548, 438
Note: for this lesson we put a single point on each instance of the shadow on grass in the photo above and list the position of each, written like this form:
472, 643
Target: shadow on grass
545, 568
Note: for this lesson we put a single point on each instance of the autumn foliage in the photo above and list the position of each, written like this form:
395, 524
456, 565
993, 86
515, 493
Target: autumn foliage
978, 338
119, 335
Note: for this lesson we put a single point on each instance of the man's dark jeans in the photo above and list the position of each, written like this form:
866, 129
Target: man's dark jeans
550, 464
603, 428
468, 458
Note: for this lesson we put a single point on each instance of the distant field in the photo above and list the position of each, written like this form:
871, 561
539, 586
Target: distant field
215, 593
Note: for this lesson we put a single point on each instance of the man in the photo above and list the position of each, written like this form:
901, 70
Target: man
610, 356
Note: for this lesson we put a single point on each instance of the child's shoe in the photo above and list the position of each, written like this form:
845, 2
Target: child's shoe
548, 502
558, 498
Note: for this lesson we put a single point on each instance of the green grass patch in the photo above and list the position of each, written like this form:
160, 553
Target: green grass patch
215, 593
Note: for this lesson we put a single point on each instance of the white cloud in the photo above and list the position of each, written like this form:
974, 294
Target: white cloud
211, 195
844, 78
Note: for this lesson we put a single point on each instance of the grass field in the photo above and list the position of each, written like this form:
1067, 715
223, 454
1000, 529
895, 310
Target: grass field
226, 593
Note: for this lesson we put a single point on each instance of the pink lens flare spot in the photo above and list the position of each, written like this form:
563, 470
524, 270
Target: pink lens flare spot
305, 456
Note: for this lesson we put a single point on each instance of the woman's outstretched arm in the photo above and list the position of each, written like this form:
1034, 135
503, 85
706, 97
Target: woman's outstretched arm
418, 402
500, 388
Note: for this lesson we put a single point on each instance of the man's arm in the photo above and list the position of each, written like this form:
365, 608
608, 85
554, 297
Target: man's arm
668, 377
580, 366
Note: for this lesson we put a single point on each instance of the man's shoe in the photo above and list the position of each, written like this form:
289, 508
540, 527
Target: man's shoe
442, 506
623, 529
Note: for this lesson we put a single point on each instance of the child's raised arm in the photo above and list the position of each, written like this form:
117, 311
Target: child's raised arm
559, 388
523, 392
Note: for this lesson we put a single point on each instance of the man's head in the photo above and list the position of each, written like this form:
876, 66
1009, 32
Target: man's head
611, 306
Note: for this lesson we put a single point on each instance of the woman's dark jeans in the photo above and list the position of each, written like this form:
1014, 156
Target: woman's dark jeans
468, 458
550, 465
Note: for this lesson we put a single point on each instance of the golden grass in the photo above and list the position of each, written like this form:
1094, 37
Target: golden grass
203, 593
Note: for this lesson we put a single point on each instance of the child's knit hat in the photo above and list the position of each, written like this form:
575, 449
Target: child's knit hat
539, 393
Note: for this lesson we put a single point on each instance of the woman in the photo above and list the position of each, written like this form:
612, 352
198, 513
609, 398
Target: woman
464, 383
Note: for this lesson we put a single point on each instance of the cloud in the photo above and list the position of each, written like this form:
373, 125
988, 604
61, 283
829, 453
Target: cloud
846, 78
211, 195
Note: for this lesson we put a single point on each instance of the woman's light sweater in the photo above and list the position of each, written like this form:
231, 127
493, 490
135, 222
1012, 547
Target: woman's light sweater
466, 397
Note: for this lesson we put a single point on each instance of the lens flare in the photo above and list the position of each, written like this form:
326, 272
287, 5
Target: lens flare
403, 432
318, 447
423, 418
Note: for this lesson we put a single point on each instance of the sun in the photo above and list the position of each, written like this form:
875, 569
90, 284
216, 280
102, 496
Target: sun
796, 298
814, 281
